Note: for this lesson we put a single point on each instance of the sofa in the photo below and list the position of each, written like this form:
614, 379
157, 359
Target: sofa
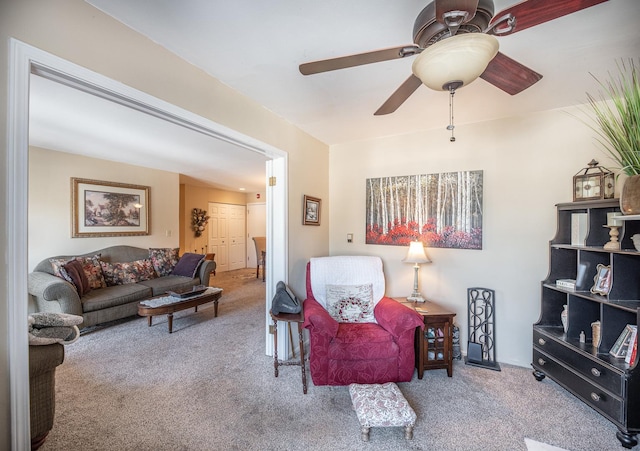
43, 361
357, 334
112, 281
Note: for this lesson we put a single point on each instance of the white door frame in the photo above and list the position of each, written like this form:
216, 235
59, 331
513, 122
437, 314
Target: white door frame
277, 262
25, 59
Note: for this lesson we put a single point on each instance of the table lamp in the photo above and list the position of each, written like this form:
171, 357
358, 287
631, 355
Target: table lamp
416, 255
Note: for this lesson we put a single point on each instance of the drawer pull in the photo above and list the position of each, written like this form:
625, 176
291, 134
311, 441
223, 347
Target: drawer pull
541, 361
542, 341
595, 396
595, 372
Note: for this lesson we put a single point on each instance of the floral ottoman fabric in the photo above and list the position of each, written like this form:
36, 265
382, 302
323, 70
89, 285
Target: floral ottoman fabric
381, 405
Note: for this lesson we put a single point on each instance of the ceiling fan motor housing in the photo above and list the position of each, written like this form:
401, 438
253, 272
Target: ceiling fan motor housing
427, 30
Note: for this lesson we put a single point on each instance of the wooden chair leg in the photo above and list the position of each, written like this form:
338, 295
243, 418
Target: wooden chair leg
408, 432
293, 348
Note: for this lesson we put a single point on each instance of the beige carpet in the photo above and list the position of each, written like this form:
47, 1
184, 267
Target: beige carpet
209, 386
533, 445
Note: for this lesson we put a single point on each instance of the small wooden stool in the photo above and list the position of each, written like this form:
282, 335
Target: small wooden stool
381, 405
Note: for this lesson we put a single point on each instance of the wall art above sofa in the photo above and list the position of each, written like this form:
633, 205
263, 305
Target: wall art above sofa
101, 209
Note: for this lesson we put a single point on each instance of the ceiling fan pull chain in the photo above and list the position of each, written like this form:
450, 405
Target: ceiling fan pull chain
452, 91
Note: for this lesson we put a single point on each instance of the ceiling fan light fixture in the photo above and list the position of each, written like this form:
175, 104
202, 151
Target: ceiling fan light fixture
461, 58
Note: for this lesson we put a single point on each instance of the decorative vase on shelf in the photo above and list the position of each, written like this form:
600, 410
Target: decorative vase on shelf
630, 196
563, 318
595, 333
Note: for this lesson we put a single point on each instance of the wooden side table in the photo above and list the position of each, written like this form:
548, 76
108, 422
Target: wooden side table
289, 318
434, 345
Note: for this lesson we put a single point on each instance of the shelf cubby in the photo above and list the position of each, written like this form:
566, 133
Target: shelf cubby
626, 277
564, 265
582, 312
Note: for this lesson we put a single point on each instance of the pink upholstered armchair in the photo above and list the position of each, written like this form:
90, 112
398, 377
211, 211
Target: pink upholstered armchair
377, 345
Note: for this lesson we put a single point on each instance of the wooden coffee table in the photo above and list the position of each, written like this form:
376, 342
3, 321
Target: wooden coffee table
167, 305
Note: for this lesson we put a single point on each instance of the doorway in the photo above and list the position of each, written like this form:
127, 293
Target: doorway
24, 60
227, 235
256, 226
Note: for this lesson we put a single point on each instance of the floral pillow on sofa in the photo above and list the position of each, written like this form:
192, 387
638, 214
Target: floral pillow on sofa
90, 265
130, 272
351, 303
58, 268
164, 260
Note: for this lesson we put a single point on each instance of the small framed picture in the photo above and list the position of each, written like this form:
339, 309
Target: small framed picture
602, 280
311, 212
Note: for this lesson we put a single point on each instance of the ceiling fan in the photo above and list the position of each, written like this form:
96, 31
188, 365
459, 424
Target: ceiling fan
444, 19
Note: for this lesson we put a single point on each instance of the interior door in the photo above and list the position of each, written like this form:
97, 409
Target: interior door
219, 235
237, 241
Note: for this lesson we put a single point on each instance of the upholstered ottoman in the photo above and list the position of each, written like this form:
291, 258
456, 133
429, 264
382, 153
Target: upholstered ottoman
381, 405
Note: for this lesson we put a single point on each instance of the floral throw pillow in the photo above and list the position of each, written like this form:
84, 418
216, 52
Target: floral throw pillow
351, 303
164, 260
90, 265
58, 268
130, 272
93, 270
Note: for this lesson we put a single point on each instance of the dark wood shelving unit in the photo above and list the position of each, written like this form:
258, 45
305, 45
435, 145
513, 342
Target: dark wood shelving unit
587, 370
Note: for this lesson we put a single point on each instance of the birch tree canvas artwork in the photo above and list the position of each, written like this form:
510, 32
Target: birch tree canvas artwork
441, 210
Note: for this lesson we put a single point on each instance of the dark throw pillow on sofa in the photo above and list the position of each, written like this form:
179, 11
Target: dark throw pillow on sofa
188, 265
78, 277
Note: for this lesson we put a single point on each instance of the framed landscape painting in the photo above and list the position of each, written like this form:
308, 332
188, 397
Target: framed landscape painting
441, 210
101, 209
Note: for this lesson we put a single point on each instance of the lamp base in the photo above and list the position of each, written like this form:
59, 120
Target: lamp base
415, 298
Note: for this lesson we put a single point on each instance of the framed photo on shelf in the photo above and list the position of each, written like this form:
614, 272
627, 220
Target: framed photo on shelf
311, 212
101, 209
621, 346
602, 280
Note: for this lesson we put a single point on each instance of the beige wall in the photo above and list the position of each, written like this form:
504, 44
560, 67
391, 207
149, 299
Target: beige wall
303, 169
171, 204
77, 32
50, 200
199, 197
528, 165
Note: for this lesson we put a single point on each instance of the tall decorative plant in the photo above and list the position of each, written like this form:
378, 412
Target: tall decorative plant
617, 116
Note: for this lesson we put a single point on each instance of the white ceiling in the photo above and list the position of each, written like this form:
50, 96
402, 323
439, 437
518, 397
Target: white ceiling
255, 47
69, 120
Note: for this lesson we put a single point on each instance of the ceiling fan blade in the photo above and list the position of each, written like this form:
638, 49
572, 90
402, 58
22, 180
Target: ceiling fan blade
509, 75
455, 12
399, 96
534, 12
358, 59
